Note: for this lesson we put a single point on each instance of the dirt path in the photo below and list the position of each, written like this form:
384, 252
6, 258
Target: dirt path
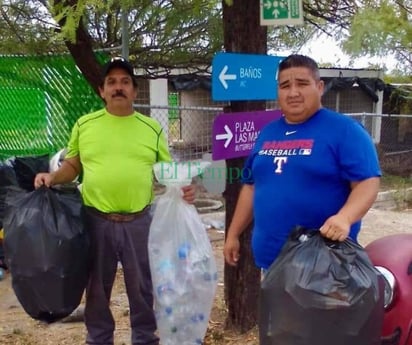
16, 328
379, 223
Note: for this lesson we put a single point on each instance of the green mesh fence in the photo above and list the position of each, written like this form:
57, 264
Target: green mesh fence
41, 97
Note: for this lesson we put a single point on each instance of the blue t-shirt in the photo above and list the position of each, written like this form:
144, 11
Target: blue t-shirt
301, 175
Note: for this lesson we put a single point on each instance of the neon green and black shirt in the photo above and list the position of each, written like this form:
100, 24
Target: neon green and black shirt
117, 154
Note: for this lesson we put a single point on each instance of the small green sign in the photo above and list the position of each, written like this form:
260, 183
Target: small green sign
281, 12
174, 103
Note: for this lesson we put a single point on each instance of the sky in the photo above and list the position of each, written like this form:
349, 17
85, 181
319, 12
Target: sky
325, 50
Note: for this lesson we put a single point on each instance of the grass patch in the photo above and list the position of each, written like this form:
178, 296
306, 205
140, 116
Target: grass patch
389, 182
402, 187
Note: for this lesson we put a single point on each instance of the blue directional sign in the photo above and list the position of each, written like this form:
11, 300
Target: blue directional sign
241, 77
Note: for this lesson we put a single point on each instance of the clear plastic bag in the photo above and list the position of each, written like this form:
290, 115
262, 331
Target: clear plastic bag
321, 292
182, 262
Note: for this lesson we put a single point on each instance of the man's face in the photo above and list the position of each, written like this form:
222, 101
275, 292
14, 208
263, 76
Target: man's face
299, 94
118, 90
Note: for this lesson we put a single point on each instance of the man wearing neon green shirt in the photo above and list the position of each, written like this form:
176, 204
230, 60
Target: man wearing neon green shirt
115, 149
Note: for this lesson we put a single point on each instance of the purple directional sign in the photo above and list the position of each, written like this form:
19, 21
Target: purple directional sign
234, 134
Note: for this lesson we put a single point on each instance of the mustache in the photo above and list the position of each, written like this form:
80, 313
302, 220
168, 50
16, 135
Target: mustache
119, 94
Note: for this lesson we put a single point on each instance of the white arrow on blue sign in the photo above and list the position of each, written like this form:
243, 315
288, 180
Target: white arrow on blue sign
241, 77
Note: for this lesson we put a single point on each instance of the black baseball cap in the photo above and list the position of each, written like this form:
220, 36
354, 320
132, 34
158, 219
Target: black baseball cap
118, 62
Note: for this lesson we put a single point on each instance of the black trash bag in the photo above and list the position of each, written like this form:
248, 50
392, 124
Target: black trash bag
321, 292
7, 178
7, 175
26, 169
47, 251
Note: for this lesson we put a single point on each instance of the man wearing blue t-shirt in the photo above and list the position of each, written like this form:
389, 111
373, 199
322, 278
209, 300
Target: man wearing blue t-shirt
313, 167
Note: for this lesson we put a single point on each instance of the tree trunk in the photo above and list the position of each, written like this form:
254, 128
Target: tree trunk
242, 34
83, 55
82, 51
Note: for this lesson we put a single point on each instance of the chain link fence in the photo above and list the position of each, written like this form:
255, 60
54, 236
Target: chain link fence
41, 98
189, 132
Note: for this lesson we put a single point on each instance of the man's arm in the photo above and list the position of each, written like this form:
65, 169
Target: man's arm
242, 217
360, 200
70, 168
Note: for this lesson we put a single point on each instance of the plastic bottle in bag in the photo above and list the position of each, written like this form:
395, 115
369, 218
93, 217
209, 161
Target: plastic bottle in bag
182, 263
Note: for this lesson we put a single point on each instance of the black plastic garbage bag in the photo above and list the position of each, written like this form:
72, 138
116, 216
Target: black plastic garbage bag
27, 167
46, 248
7, 175
7, 178
321, 292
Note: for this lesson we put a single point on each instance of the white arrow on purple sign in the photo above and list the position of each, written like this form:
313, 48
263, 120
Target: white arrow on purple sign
227, 136
234, 134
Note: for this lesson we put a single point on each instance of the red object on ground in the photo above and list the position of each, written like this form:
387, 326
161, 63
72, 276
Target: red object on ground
392, 255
